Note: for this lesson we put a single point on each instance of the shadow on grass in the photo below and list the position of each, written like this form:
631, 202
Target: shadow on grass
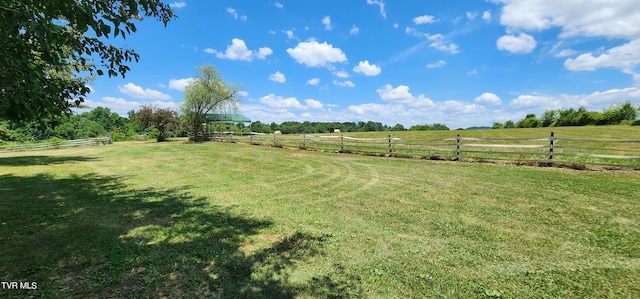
92, 236
41, 160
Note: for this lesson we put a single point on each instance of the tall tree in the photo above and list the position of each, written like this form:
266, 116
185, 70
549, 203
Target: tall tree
509, 124
208, 93
530, 121
616, 114
550, 118
161, 119
47, 45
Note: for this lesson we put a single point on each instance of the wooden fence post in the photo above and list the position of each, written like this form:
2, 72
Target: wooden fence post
390, 148
275, 141
304, 141
341, 143
551, 142
458, 148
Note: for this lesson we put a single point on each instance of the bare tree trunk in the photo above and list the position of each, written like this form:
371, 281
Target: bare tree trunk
195, 133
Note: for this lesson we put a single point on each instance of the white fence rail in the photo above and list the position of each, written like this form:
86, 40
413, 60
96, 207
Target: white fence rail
55, 144
552, 149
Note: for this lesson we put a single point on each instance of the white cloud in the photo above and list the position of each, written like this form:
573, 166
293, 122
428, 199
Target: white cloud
523, 43
472, 72
346, 83
367, 69
289, 34
243, 93
122, 106
354, 30
454, 113
410, 30
122, 103
278, 102
233, 12
313, 104
601, 99
636, 80
277, 77
625, 57
180, 84
264, 52
326, 21
267, 114
437, 64
341, 74
238, 51
439, 43
396, 25
402, 95
313, 81
459, 107
471, 15
178, 4
532, 101
488, 98
278, 4
565, 53
380, 3
486, 16
426, 19
610, 19
314, 54
136, 91
373, 109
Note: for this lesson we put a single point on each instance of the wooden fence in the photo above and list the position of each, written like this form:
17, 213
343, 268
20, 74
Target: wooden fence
55, 144
551, 149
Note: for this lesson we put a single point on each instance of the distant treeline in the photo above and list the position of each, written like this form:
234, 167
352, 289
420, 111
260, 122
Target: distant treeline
291, 127
96, 123
625, 114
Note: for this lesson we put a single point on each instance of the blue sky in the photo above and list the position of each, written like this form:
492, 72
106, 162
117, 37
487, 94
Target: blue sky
461, 63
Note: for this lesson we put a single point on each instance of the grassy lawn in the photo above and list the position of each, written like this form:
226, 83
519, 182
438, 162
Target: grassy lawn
138, 219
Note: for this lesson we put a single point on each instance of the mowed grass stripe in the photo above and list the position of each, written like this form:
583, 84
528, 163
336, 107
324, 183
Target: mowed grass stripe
229, 220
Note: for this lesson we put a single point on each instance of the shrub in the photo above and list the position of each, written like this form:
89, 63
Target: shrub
153, 134
118, 136
5, 134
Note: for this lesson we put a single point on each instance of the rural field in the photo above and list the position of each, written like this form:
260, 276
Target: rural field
233, 220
